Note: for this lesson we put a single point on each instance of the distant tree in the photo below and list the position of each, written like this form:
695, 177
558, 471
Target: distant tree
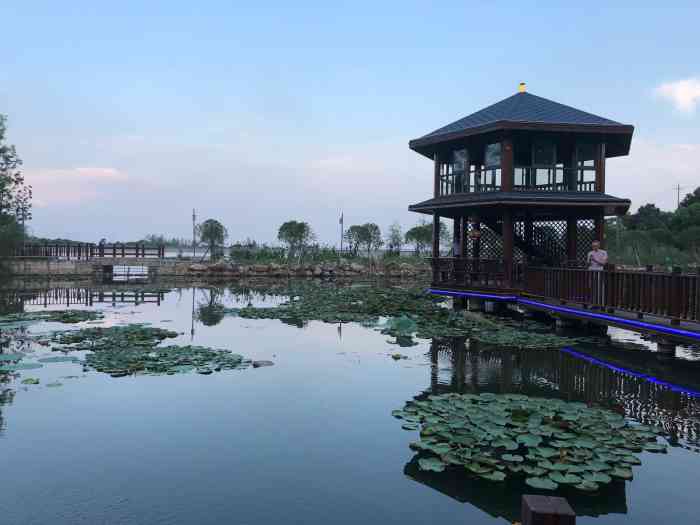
686, 217
297, 235
691, 198
354, 235
394, 238
15, 195
648, 217
370, 237
213, 234
421, 236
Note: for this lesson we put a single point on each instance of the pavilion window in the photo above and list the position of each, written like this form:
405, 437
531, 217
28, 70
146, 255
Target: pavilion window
547, 174
454, 175
491, 173
585, 166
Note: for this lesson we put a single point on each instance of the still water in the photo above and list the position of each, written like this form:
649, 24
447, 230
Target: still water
311, 439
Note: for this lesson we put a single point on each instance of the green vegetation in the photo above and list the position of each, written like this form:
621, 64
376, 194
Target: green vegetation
547, 442
412, 313
213, 234
15, 198
297, 236
652, 236
56, 316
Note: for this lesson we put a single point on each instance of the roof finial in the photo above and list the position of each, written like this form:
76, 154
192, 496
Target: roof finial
522, 87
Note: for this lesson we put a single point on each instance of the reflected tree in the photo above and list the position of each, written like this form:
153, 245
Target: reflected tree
212, 311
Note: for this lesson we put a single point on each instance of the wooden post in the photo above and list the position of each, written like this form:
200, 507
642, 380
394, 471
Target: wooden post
546, 510
600, 229
508, 246
436, 235
507, 164
571, 239
462, 234
436, 181
600, 168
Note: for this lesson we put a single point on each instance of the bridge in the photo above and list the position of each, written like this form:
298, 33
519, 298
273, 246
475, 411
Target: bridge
89, 251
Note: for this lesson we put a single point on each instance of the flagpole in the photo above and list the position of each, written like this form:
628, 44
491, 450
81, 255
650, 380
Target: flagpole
341, 233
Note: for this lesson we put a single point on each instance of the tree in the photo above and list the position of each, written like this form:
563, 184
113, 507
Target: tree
371, 237
421, 235
213, 233
691, 198
353, 235
297, 235
15, 195
648, 217
394, 239
685, 217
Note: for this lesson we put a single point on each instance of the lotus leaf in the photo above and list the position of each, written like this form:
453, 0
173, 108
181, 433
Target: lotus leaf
621, 472
597, 477
529, 440
13, 367
654, 447
410, 426
478, 468
546, 452
567, 479
494, 476
588, 486
542, 483
30, 381
512, 457
431, 464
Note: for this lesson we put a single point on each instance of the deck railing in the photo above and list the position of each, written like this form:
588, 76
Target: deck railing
84, 251
673, 295
482, 273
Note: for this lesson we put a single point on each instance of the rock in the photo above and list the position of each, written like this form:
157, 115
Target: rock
260, 268
357, 267
220, 266
258, 364
198, 267
317, 271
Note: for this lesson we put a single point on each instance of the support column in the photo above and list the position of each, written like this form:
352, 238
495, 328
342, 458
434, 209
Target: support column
508, 245
476, 240
456, 236
462, 237
507, 164
436, 248
571, 239
436, 175
600, 168
600, 229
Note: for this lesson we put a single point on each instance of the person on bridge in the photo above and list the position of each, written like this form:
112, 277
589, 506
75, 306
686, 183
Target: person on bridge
597, 258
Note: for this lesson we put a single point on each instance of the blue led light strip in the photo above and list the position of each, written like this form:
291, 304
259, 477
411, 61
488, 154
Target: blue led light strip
645, 377
678, 332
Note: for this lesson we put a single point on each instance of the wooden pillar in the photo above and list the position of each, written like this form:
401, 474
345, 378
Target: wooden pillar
507, 164
476, 240
571, 239
436, 235
600, 168
462, 236
600, 229
456, 235
436, 181
508, 245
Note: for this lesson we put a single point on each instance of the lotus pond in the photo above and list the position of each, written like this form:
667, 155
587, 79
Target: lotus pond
381, 405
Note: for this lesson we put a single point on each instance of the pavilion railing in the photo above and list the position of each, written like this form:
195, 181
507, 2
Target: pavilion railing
85, 251
552, 179
482, 273
674, 295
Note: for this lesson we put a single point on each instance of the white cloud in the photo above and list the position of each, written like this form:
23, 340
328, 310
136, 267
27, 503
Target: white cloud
684, 94
64, 186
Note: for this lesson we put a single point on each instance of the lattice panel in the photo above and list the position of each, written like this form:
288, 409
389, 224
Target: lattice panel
491, 244
585, 236
549, 237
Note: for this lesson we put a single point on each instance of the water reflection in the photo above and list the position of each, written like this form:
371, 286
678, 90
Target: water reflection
616, 380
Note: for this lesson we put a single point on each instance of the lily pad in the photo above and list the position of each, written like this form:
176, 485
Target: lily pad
431, 464
542, 483
494, 476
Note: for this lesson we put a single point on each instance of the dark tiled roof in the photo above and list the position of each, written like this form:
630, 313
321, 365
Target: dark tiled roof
571, 198
524, 108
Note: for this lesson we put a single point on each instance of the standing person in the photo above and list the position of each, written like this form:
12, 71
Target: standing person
597, 259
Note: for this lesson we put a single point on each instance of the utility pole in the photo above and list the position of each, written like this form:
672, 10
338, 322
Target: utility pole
194, 229
678, 195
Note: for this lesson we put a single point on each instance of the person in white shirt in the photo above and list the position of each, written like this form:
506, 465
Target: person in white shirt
597, 258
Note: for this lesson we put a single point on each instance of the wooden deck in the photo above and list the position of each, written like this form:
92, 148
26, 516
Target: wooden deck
663, 303
89, 251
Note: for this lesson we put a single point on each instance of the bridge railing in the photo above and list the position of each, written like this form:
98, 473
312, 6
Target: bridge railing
85, 251
674, 295
483, 273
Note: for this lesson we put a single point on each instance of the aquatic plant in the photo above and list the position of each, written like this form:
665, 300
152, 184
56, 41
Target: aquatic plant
96, 338
548, 442
411, 312
56, 316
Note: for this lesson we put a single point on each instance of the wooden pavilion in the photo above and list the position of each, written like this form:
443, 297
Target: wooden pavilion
523, 181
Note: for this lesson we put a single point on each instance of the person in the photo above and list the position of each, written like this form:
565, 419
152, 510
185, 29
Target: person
597, 258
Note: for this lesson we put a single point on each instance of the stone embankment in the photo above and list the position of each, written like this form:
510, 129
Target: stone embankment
342, 269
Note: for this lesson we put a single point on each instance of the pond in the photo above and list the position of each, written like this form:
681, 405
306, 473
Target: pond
310, 439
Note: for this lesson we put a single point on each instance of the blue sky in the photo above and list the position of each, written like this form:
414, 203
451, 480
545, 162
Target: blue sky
129, 116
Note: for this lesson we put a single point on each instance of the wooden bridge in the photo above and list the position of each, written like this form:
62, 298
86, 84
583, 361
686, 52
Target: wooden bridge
90, 296
662, 303
88, 251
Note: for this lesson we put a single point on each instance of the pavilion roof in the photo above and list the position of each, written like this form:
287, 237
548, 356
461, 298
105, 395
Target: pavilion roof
522, 111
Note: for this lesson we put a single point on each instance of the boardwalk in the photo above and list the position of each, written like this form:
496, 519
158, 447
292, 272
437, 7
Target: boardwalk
89, 251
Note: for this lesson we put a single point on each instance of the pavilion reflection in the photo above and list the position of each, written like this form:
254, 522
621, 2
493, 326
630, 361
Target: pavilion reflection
643, 389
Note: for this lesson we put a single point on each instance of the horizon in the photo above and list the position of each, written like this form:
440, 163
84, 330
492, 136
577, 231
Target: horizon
255, 116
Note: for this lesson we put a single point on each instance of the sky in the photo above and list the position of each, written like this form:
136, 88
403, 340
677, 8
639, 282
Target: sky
130, 114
